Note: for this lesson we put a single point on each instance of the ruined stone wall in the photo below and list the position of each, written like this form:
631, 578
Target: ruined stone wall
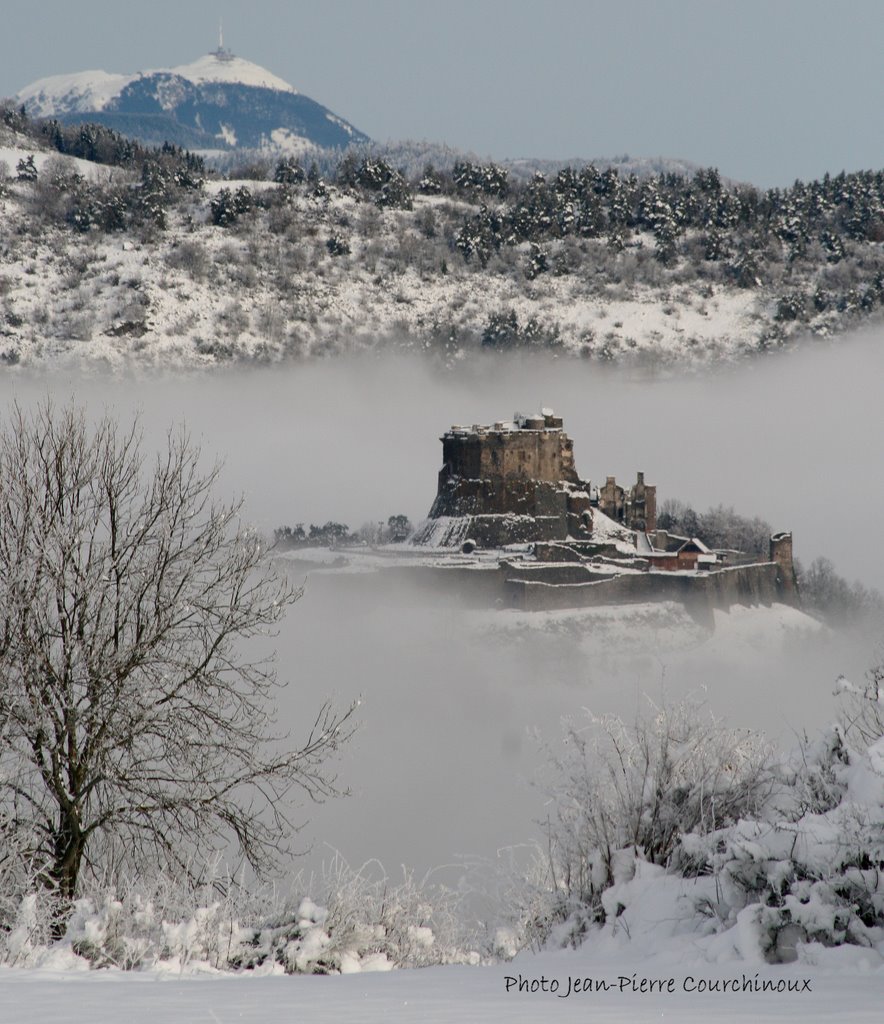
612, 500
650, 508
641, 506
781, 554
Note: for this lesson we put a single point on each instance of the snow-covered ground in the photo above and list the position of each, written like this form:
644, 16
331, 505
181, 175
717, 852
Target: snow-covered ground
845, 987
10, 155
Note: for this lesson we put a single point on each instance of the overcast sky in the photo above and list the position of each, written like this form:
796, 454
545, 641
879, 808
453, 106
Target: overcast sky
767, 90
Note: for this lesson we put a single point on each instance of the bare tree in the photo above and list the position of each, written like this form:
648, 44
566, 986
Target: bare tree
862, 708
135, 729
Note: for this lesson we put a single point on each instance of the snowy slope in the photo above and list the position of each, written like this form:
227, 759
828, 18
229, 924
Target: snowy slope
206, 295
90, 91
11, 155
64, 94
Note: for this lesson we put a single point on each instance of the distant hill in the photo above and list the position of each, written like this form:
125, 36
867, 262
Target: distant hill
219, 102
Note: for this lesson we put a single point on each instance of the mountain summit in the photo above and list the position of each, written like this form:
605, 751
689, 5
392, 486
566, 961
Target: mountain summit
218, 102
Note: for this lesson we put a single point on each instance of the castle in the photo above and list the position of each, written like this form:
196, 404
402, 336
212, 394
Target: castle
515, 483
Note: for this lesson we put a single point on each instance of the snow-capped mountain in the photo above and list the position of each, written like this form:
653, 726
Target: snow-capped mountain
219, 102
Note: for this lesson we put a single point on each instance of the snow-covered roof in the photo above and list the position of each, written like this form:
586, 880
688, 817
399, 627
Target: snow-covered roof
642, 544
696, 544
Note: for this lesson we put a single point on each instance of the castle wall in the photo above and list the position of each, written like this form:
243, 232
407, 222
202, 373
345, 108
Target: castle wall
572, 586
558, 572
751, 585
496, 531
505, 455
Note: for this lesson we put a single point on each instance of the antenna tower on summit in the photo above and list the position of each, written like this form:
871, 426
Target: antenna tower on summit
221, 53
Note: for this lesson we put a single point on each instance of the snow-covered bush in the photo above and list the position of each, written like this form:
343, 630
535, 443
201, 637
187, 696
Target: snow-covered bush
862, 708
772, 859
365, 922
134, 924
811, 870
26, 931
621, 791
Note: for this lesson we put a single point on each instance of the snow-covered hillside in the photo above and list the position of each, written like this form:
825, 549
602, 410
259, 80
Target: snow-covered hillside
65, 94
164, 263
272, 288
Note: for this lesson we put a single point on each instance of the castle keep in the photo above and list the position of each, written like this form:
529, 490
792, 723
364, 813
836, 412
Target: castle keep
517, 482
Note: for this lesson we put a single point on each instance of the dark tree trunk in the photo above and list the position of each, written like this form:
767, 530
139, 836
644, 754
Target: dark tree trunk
62, 877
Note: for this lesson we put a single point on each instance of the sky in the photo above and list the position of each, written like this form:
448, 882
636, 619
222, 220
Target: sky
766, 90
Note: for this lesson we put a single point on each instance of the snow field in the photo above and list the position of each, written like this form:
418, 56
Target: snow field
846, 992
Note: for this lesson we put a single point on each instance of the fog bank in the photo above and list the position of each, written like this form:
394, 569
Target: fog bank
439, 767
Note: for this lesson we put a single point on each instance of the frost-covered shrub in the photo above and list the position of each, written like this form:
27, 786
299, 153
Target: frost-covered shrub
623, 790
190, 256
862, 710
814, 870
792, 306
778, 858
227, 207
27, 930
337, 245
112, 934
411, 923
364, 922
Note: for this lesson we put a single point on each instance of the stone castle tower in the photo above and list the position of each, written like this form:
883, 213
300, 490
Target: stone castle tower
517, 480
